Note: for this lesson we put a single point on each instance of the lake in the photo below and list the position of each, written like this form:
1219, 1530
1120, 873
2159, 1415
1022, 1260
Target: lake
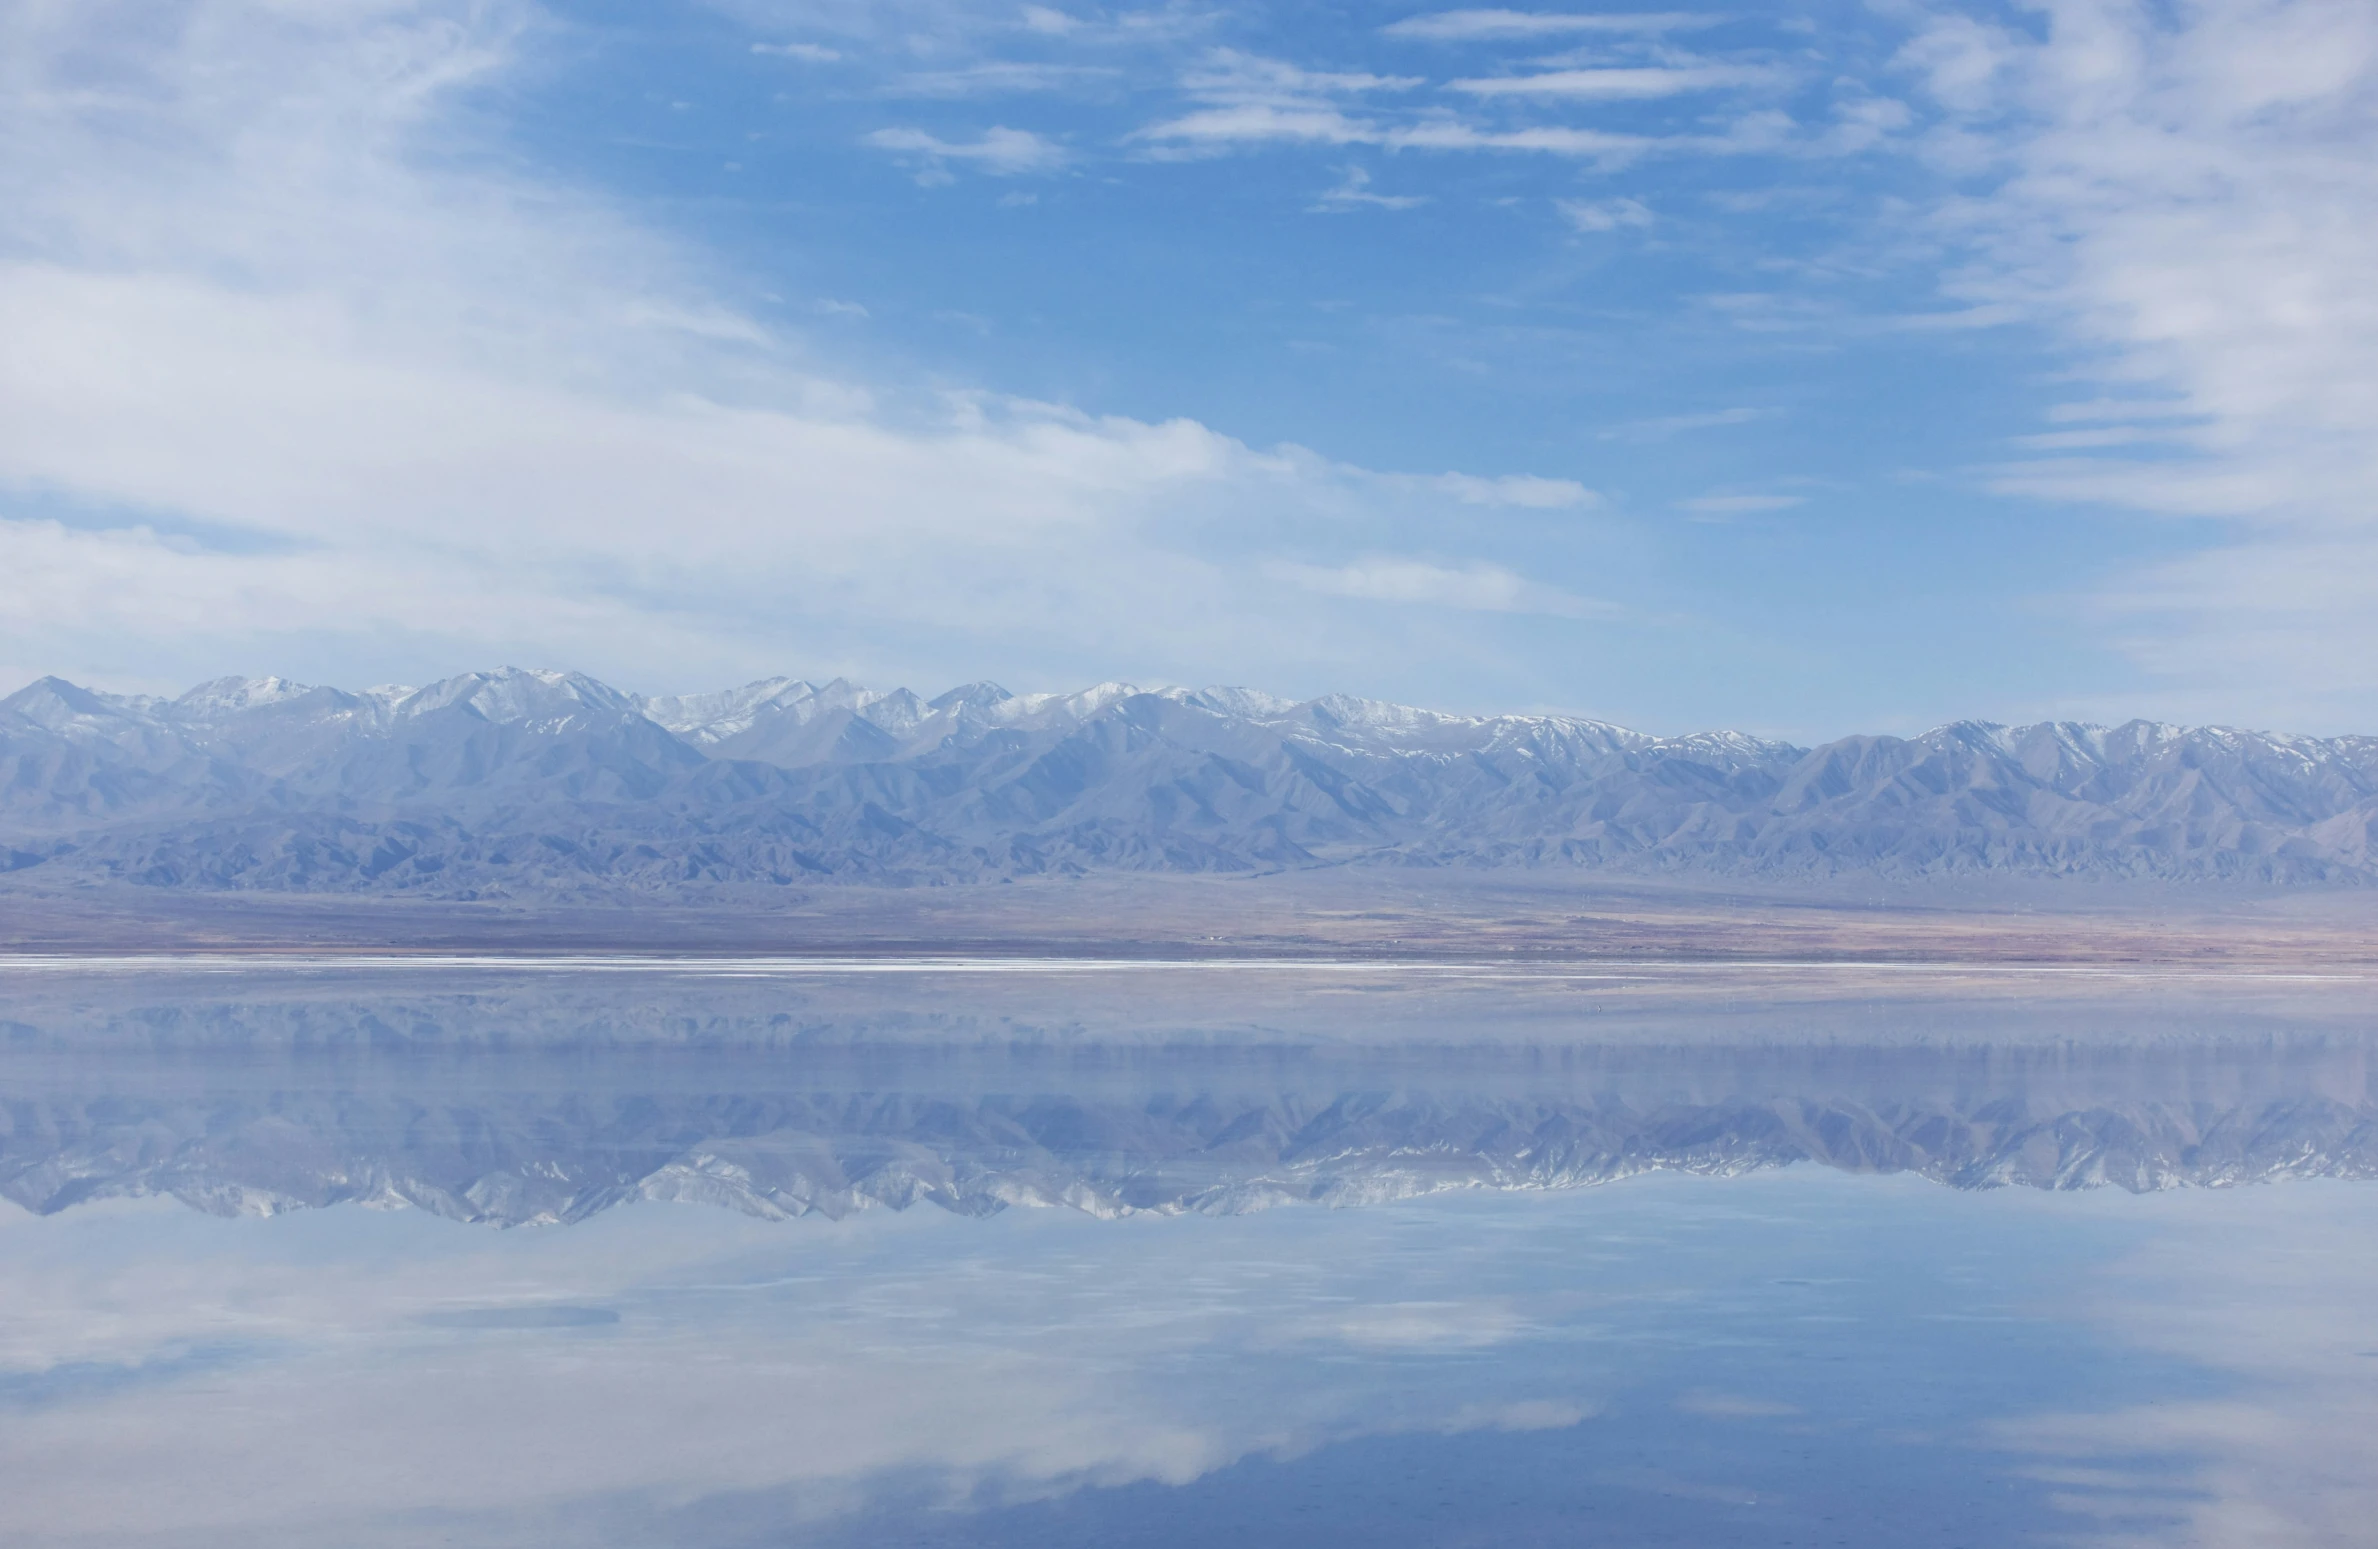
610, 1251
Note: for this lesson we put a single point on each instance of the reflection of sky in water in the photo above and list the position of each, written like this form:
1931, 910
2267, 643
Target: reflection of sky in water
1794, 1356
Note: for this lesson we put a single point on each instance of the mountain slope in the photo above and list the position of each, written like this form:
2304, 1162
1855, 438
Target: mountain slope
520, 782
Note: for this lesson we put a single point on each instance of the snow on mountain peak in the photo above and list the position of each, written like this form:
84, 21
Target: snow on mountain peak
1245, 703
1078, 705
970, 696
229, 696
708, 718
56, 704
979, 781
510, 695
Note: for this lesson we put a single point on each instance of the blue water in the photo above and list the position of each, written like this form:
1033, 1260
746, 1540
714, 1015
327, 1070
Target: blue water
308, 1259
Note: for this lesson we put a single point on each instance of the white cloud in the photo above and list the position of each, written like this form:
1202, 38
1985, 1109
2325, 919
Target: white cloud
1256, 123
1449, 136
1604, 214
1245, 99
1476, 587
2115, 409
1511, 490
2187, 194
1861, 123
1470, 26
1001, 151
812, 53
1739, 505
1619, 84
1250, 99
1661, 426
1004, 77
280, 394
2095, 438
1354, 192
1228, 75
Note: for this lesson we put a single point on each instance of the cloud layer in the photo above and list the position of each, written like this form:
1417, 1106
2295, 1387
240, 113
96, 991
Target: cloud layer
2185, 196
292, 375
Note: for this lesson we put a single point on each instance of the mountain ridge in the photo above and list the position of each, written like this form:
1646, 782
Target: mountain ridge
516, 782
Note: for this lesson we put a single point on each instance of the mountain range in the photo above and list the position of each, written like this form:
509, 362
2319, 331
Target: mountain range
519, 783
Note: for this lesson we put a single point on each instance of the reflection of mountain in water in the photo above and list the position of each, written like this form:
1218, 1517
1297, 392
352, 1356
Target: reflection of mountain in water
559, 1134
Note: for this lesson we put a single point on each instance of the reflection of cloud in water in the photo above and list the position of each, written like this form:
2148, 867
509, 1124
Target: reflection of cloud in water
960, 1361
379, 1409
1527, 1415
705, 1378
1734, 1406
757, 1377
2272, 1292
1424, 1326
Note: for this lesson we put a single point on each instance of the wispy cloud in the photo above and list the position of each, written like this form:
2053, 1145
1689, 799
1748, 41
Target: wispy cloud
396, 413
1001, 151
810, 53
1354, 192
1322, 125
1246, 99
1558, 140
1476, 587
1470, 26
1526, 490
1604, 214
1049, 20
997, 78
2095, 438
1634, 83
1227, 75
1250, 99
1739, 505
1662, 426
2187, 197
2086, 410
1256, 123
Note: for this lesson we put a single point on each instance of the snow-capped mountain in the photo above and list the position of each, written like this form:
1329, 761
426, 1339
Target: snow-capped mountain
518, 781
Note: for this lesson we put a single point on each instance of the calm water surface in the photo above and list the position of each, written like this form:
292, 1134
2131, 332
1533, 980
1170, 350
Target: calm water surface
603, 1254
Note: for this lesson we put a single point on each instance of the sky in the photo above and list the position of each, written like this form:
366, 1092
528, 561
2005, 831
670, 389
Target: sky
1803, 368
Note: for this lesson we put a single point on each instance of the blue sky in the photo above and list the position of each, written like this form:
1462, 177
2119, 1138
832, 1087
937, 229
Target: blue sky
1802, 368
